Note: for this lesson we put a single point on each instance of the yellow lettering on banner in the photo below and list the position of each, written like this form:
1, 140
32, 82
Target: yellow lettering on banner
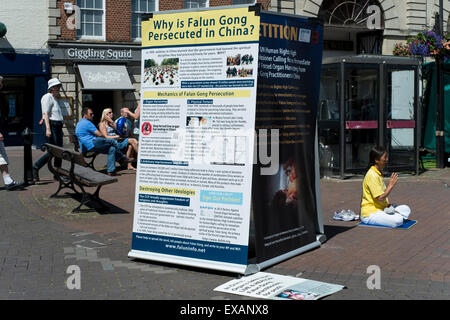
200, 27
198, 94
167, 190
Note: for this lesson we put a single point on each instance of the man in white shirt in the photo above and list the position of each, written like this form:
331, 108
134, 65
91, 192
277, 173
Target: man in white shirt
53, 120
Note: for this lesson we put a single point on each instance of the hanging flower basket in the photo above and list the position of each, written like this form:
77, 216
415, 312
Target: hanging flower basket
424, 44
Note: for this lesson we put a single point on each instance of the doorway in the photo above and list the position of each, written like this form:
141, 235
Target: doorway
15, 113
97, 101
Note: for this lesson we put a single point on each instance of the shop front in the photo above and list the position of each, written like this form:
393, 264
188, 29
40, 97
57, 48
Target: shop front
98, 76
25, 77
364, 101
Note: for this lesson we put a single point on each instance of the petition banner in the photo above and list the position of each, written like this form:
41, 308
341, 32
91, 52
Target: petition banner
284, 199
194, 177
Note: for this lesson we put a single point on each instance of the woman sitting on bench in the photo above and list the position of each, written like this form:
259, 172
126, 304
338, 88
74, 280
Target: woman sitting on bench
375, 206
108, 128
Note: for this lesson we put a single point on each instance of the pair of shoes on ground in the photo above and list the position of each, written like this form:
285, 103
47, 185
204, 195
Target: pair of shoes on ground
15, 185
345, 215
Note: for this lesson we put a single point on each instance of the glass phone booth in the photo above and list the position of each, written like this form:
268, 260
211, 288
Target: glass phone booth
364, 101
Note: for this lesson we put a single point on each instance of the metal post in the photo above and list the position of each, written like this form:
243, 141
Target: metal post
440, 145
27, 157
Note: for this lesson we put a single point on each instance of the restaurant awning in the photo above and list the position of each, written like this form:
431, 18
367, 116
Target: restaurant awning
105, 77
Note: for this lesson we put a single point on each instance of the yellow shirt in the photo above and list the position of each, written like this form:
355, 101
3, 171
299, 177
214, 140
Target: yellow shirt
373, 187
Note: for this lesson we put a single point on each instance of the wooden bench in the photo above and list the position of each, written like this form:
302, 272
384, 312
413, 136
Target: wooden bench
91, 155
79, 174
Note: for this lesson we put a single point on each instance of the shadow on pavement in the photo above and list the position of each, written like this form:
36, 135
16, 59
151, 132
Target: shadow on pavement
102, 207
331, 231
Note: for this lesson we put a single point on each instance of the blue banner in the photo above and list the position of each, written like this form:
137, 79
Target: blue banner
197, 249
289, 68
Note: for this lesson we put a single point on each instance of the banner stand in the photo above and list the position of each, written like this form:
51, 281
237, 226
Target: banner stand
228, 172
320, 236
253, 268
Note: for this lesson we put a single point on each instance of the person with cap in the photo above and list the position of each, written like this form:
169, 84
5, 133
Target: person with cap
53, 120
10, 183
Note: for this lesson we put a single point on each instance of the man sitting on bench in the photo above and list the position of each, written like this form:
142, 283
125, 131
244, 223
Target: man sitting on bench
91, 139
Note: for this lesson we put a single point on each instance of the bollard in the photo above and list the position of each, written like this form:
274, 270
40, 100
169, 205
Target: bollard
27, 157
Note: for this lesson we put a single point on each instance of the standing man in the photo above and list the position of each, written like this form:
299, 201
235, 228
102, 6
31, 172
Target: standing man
53, 119
10, 184
92, 139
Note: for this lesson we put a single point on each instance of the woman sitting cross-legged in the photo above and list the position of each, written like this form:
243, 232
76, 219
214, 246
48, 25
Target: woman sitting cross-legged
375, 206
108, 128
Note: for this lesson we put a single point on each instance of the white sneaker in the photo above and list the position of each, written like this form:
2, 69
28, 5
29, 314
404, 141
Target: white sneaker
342, 215
354, 215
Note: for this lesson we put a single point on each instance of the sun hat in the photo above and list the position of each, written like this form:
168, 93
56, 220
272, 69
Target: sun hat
53, 82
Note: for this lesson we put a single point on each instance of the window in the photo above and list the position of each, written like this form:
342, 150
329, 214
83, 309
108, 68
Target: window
92, 19
196, 4
139, 7
244, 2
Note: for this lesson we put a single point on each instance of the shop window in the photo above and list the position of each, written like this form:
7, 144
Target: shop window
139, 7
16, 97
92, 19
196, 4
244, 2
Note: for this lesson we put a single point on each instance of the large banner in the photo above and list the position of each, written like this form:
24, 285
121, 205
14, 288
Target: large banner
194, 181
284, 198
225, 175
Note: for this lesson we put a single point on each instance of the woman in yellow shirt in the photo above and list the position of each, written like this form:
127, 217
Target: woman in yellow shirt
375, 206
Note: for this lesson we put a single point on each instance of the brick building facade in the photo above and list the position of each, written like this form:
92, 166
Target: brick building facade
110, 35
114, 43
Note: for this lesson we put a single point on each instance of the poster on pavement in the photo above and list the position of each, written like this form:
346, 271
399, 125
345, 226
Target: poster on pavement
198, 98
272, 286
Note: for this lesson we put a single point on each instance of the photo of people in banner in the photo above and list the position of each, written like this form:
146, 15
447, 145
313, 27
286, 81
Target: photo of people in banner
287, 195
161, 74
198, 121
238, 60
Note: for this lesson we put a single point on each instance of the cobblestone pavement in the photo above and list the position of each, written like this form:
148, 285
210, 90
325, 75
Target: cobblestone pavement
40, 240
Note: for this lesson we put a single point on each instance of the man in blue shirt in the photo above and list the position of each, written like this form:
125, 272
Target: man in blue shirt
91, 139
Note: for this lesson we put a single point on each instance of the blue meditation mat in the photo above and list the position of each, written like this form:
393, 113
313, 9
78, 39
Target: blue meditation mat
406, 225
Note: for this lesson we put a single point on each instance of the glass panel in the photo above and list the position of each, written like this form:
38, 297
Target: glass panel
134, 5
89, 3
358, 143
329, 95
13, 106
328, 150
195, 3
98, 17
243, 1
361, 104
98, 30
81, 3
99, 4
88, 29
143, 5
400, 95
400, 118
361, 94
